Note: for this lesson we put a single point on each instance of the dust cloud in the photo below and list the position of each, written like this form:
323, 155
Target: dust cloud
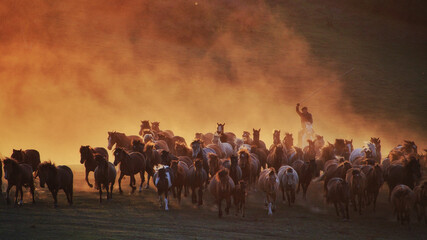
72, 70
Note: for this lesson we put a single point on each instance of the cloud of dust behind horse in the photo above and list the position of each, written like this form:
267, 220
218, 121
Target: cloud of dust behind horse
72, 70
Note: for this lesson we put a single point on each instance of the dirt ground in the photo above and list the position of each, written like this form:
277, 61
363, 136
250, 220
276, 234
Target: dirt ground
138, 216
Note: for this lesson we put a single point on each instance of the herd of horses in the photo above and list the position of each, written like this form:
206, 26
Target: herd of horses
230, 168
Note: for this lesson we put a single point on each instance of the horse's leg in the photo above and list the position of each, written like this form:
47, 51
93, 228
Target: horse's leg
67, 194
174, 191
336, 209
179, 191
87, 178
193, 195
304, 191
283, 194
132, 182
141, 174
288, 196
360, 203
148, 181
70, 192
166, 200
200, 196
346, 210
227, 208
111, 190
120, 182
375, 199
100, 193
7, 193
299, 184
219, 206
293, 195
16, 194
32, 188
55, 199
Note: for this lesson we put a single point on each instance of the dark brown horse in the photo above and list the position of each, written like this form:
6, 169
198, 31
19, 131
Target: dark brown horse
130, 164
326, 153
197, 178
57, 178
145, 124
249, 165
407, 172
240, 197
166, 157
246, 136
18, 175
309, 151
261, 155
206, 138
340, 147
153, 158
257, 142
335, 170
105, 176
180, 171
121, 140
356, 181
374, 181
306, 171
338, 193
222, 187
235, 171
403, 199
87, 157
214, 164
421, 201
181, 149
277, 157
29, 156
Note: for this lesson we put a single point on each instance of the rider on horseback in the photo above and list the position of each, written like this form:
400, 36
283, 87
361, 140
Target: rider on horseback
306, 124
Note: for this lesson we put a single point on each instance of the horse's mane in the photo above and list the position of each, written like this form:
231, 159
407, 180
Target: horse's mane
48, 165
149, 145
100, 159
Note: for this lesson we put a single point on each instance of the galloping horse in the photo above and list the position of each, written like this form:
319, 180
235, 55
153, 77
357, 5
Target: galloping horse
163, 179
226, 136
201, 153
373, 146
18, 175
87, 157
249, 165
29, 156
268, 182
226, 148
105, 176
222, 187
121, 140
57, 178
130, 164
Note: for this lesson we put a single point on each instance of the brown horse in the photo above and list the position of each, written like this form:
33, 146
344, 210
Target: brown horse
105, 176
261, 154
309, 151
235, 171
306, 171
340, 147
29, 156
144, 125
268, 182
249, 165
121, 140
217, 149
403, 199
276, 138
152, 159
186, 160
206, 138
319, 142
406, 172
214, 164
421, 201
196, 180
130, 164
374, 181
181, 149
57, 178
338, 193
356, 180
277, 157
180, 172
222, 187
87, 157
18, 175
246, 136
335, 169
166, 157
349, 148
240, 197
155, 126
257, 142
327, 153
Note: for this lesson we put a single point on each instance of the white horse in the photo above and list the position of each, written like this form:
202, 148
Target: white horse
288, 178
226, 148
361, 152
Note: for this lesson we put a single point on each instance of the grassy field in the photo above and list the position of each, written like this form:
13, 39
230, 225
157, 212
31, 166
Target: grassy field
138, 216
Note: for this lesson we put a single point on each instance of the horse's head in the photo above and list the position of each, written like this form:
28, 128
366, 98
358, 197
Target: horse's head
291, 181
18, 155
246, 134
213, 162
46, 171
144, 125
276, 136
180, 148
196, 145
220, 128
256, 133
357, 178
10, 167
413, 165
155, 126
148, 137
111, 140
289, 140
138, 146
198, 135
234, 160
119, 155
410, 147
378, 174
244, 158
278, 150
85, 154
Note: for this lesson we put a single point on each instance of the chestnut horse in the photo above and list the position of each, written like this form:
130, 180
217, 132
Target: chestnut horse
87, 157
180, 173
152, 159
105, 176
18, 175
196, 180
222, 187
374, 181
240, 197
407, 172
130, 164
249, 165
268, 182
121, 140
57, 178
356, 181
338, 193
235, 171
277, 157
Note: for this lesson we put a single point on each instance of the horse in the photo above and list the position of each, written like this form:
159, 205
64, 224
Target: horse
309, 151
196, 180
261, 154
257, 142
206, 138
318, 144
276, 139
348, 148
293, 153
403, 199
121, 140
145, 124
406, 172
374, 181
288, 178
163, 179
214, 164
409, 148
420, 192
339, 147
201, 152
105, 176
327, 153
246, 136
166, 157
373, 146
226, 148
217, 149
356, 181
152, 158
335, 169
222, 187
18, 175
155, 126
226, 136
249, 165
138, 146
29, 156
235, 171
181, 149
56, 178
306, 171
180, 173
268, 182
338, 193
277, 157
87, 158
240, 197
130, 164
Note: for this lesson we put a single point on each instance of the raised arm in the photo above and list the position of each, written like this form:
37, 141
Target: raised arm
298, 111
